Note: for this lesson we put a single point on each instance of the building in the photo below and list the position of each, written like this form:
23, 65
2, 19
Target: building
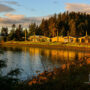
66, 39
57, 39
69, 39
36, 38
84, 39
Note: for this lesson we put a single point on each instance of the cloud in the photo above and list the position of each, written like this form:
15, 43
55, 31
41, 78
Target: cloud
55, 2
78, 7
11, 2
14, 17
32, 9
10, 19
5, 8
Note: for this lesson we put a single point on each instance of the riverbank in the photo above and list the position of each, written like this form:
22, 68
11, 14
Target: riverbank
71, 76
50, 45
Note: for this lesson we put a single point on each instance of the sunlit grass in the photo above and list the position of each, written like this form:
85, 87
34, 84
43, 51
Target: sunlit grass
46, 43
77, 45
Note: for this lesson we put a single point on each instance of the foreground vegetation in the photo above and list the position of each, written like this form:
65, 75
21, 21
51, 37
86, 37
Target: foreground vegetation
9, 81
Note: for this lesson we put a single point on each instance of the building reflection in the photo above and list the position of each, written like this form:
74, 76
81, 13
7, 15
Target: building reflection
57, 55
46, 58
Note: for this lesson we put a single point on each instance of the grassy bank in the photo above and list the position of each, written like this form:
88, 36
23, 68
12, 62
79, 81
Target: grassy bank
50, 45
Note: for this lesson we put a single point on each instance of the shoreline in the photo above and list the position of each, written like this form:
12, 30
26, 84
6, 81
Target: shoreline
78, 47
47, 76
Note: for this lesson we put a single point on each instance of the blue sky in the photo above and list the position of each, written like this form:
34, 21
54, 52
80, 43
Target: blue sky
18, 11
41, 7
44, 7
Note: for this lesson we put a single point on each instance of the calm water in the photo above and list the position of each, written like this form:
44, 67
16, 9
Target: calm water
32, 61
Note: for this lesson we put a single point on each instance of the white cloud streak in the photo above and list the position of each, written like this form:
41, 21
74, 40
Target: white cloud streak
78, 7
10, 19
10, 2
14, 17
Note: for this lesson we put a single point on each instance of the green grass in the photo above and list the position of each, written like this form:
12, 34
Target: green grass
47, 43
77, 45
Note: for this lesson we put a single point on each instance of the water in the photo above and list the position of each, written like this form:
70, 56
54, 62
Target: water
32, 61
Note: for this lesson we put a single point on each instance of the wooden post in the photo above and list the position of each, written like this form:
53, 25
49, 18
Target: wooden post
68, 36
25, 35
68, 39
57, 36
34, 36
86, 33
80, 40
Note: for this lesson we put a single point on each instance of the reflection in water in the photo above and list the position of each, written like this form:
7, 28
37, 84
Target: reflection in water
33, 61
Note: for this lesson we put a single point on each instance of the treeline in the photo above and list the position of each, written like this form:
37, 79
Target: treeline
73, 24
18, 33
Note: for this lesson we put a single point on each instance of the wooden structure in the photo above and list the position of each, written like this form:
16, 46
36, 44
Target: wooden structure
36, 38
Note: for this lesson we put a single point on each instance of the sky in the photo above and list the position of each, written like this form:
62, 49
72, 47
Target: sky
29, 11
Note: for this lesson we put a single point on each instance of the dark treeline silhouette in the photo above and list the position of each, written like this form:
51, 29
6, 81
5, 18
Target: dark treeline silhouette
67, 23
73, 24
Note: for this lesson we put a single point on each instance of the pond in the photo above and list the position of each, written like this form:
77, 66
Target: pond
32, 61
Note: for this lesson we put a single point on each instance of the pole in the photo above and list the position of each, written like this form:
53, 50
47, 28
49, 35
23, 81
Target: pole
57, 35
25, 35
34, 36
